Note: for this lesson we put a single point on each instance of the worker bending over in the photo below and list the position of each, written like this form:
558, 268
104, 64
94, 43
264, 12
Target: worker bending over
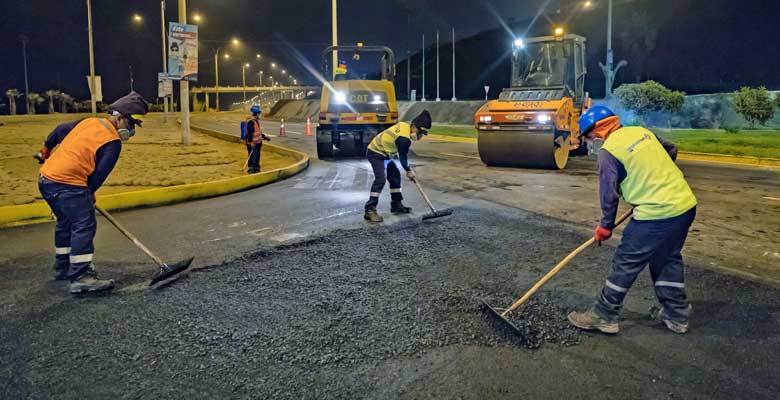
86, 153
641, 167
394, 141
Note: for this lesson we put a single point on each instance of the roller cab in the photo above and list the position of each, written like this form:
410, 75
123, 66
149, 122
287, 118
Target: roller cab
533, 124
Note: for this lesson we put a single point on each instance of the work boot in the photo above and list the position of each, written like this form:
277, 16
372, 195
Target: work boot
61, 271
657, 313
372, 215
399, 208
88, 282
588, 320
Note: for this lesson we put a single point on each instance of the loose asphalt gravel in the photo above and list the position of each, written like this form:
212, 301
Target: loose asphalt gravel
386, 312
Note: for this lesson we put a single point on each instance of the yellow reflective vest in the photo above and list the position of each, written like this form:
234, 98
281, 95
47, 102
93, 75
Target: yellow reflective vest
384, 143
653, 183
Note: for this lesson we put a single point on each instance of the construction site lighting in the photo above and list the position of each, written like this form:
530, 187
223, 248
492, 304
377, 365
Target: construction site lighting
519, 43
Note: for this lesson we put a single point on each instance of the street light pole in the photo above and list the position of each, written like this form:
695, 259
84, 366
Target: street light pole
26, 84
335, 39
184, 90
216, 76
423, 68
92, 87
243, 80
453, 66
438, 98
164, 57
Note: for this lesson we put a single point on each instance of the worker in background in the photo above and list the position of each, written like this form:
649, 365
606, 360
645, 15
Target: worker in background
78, 157
254, 140
635, 163
395, 141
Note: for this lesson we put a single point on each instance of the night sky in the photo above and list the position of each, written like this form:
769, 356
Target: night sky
58, 52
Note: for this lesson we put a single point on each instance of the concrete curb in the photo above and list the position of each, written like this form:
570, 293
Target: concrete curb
728, 159
39, 212
683, 155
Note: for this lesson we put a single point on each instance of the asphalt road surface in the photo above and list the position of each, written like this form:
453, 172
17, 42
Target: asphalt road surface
293, 296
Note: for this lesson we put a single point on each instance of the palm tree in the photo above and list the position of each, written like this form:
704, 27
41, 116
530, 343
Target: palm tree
12, 95
65, 101
52, 94
33, 99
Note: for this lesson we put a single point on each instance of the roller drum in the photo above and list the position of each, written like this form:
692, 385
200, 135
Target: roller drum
523, 149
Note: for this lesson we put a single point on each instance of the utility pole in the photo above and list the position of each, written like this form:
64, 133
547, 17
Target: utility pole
453, 65
335, 39
92, 87
184, 90
423, 68
130, 69
609, 70
243, 80
408, 59
26, 83
164, 57
438, 98
216, 76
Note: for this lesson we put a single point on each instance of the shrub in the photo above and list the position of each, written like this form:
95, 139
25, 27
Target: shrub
754, 104
731, 129
650, 96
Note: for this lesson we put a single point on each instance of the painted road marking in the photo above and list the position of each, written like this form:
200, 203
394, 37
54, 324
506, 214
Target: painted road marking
772, 198
460, 155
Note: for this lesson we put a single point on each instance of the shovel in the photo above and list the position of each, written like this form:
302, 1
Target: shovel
434, 212
164, 271
500, 315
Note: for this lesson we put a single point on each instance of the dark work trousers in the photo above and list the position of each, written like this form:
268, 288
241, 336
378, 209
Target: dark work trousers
76, 225
657, 243
253, 152
379, 164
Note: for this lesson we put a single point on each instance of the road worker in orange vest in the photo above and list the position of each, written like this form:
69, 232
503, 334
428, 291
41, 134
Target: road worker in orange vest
78, 157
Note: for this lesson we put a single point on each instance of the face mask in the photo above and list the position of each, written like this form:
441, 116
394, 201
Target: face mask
125, 134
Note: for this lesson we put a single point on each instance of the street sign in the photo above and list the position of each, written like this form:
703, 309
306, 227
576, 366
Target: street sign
164, 85
183, 51
413, 95
99, 91
487, 90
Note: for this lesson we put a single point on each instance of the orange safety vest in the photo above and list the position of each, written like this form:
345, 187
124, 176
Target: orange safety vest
74, 160
257, 135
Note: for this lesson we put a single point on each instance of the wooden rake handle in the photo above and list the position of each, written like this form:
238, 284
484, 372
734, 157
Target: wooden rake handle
560, 265
130, 236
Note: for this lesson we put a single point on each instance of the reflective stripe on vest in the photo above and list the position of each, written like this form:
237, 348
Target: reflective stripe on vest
653, 184
74, 159
384, 143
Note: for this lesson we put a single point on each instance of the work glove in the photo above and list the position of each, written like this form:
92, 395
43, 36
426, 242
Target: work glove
410, 174
42, 155
602, 234
266, 138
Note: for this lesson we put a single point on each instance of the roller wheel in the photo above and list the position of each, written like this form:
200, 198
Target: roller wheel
523, 149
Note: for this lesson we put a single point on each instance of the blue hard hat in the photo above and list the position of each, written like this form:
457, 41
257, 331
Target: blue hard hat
255, 109
594, 114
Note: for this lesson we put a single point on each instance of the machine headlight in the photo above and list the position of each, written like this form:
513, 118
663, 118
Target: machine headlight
485, 118
519, 44
543, 118
377, 98
340, 97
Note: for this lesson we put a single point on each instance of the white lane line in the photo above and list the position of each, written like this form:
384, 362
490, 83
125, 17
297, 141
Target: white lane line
460, 155
257, 232
772, 198
335, 179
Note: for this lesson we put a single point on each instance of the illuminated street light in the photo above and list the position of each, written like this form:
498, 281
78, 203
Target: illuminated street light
227, 56
284, 72
519, 43
257, 56
559, 31
588, 4
197, 17
137, 18
246, 65
273, 65
235, 42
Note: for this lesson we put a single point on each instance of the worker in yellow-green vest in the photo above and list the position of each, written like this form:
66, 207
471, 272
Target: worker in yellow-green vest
394, 141
639, 166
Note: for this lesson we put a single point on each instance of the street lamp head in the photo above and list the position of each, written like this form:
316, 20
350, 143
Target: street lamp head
257, 56
197, 17
246, 65
284, 72
227, 56
137, 18
235, 42
588, 4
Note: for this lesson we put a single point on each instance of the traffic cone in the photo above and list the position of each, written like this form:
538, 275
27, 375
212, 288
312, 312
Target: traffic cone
308, 126
281, 129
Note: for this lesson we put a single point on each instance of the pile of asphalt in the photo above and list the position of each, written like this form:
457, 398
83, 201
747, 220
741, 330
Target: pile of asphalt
541, 319
291, 321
